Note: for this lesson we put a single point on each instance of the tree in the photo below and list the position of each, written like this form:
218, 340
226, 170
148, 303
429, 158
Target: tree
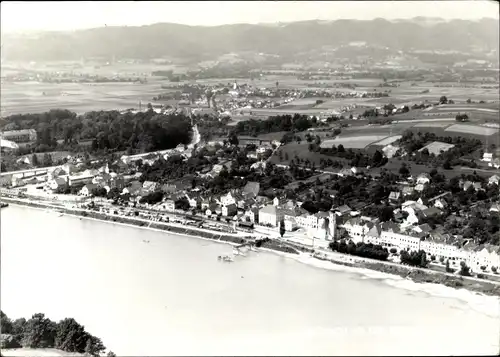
34, 160
5, 323
111, 354
423, 260
340, 148
386, 214
47, 160
282, 229
443, 100
377, 158
94, 346
40, 332
233, 139
99, 192
403, 170
464, 269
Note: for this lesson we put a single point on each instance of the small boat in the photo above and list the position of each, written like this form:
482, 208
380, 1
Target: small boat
145, 241
225, 258
3, 205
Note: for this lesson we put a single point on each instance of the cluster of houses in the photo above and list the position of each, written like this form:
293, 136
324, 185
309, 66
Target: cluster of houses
439, 245
408, 232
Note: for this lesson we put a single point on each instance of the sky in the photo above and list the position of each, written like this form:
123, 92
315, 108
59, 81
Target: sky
19, 16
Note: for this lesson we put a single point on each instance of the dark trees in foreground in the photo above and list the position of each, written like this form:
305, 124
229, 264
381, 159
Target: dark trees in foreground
40, 332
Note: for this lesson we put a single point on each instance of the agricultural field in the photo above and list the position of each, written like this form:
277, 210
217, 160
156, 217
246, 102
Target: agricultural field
353, 142
388, 140
29, 97
302, 151
472, 129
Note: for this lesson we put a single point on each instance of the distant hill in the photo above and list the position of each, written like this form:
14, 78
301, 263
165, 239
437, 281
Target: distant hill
288, 39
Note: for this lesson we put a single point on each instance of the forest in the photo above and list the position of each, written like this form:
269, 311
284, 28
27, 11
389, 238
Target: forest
107, 131
41, 332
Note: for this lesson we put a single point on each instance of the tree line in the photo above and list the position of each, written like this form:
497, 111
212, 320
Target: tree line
41, 332
273, 124
105, 130
360, 249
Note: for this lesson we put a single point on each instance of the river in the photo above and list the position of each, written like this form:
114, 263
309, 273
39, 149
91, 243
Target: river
172, 296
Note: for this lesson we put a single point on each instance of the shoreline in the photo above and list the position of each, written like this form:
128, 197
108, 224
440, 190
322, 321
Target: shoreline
360, 266
162, 227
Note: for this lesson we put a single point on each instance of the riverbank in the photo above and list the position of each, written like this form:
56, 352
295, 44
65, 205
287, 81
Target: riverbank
413, 274
233, 239
416, 275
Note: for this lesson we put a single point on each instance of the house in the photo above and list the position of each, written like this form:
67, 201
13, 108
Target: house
82, 179
373, 235
56, 183
252, 189
495, 163
407, 190
117, 182
493, 180
232, 197
357, 228
306, 220
484, 256
205, 203
252, 155
290, 224
345, 172
278, 201
229, 210
400, 241
169, 205
343, 210
419, 187
440, 203
19, 136
431, 212
475, 185
87, 189
57, 172
102, 179
133, 189
270, 215
394, 196
194, 200
211, 209
252, 214
150, 186
487, 157
495, 207
423, 179
440, 246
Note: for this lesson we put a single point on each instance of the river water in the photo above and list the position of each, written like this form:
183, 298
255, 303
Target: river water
172, 297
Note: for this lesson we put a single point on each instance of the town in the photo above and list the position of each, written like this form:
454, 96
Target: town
423, 212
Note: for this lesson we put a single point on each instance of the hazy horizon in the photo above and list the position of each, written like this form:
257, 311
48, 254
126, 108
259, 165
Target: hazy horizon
59, 16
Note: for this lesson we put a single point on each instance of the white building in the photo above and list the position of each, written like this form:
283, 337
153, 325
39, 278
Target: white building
423, 179
270, 215
84, 178
400, 241
483, 256
493, 180
357, 229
